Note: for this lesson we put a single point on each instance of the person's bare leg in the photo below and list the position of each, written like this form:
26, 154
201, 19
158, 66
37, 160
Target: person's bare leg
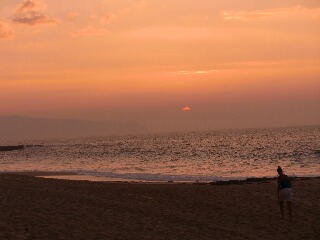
281, 209
289, 203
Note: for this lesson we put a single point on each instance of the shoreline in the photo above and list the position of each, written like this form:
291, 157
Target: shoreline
74, 176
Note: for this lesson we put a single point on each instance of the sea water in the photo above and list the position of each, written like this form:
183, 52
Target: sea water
180, 156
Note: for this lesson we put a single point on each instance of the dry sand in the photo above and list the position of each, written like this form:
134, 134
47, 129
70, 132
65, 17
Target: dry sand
38, 208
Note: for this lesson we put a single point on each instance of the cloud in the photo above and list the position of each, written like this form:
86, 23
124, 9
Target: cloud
256, 15
196, 72
90, 31
136, 5
5, 31
107, 18
30, 12
140, 4
186, 109
72, 16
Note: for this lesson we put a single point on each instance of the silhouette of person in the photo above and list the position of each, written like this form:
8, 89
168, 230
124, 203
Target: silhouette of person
284, 192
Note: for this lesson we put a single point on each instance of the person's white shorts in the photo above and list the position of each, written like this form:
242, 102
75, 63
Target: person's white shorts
285, 194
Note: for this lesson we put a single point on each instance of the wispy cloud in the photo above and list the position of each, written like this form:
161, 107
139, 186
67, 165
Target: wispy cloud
257, 15
72, 16
90, 31
108, 18
5, 31
30, 12
137, 5
182, 72
140, 4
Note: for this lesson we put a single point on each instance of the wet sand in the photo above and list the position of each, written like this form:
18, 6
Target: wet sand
40, 208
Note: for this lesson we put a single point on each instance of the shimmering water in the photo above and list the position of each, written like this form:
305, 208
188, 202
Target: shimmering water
189, 156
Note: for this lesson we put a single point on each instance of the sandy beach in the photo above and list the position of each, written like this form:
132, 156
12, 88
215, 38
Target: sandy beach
39, 208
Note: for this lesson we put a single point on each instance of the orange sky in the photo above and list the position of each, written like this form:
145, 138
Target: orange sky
233, 63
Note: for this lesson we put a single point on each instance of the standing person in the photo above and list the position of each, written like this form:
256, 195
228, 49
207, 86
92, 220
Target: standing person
284, 192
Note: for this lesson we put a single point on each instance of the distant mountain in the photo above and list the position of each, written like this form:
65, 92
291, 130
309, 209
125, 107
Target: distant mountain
17, 127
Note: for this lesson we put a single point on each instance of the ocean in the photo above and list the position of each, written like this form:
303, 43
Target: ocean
180, 156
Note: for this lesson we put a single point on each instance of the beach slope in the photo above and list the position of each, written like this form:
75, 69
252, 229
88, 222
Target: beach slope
38, 208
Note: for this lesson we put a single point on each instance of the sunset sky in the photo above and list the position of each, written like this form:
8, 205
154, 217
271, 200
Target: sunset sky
167, 64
